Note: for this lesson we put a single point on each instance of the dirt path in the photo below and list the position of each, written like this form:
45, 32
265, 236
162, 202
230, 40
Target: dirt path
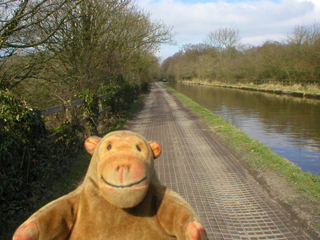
194, 163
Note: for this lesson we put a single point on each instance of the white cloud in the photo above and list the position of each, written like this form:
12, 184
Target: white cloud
257, 20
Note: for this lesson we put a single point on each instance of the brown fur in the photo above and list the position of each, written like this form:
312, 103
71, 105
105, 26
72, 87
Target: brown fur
120, 198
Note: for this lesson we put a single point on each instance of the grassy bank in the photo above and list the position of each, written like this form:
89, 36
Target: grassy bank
299, 192
308, 91
70, 180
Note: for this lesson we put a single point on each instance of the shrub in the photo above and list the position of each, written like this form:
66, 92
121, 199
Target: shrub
29, 160
32, 157
121, 95
21, 132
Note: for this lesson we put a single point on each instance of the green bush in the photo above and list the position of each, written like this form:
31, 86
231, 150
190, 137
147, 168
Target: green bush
145, 87
32, 157
21, 132
29, 159
122, 95
91, 109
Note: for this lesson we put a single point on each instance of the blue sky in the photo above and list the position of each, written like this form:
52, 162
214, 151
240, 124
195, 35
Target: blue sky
257, 20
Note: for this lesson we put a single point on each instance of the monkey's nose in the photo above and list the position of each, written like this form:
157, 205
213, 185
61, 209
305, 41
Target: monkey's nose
123, 168
124, 172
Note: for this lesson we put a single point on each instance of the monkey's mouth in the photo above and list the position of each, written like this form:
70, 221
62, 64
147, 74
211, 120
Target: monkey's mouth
124, 186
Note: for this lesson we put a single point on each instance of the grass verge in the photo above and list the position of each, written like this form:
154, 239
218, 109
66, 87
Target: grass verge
298, 191
71, 179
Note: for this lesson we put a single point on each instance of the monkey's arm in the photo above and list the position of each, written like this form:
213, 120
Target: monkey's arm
177, 218
53, 221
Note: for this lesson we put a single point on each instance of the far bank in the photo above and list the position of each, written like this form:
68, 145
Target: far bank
297, 90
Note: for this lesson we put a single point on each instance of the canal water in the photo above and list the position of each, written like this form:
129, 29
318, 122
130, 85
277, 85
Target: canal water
288, 125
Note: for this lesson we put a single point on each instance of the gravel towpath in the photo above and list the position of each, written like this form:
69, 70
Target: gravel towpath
197, 165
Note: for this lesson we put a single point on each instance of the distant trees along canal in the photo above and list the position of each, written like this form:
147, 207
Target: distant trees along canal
223, 57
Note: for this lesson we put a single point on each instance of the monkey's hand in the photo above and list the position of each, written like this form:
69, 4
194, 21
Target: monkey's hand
27, 231
195, 231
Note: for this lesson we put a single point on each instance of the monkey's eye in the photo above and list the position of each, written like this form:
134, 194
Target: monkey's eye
139, 149
109, 147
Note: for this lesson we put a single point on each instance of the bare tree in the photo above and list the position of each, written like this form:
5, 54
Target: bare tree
68, 46
23, 31
224, 38
98, 41
106, 39
19, 20
226, 41
305, 35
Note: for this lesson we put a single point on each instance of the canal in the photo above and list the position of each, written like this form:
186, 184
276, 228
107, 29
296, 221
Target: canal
288, 125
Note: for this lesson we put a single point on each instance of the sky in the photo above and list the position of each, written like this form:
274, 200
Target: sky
258, 21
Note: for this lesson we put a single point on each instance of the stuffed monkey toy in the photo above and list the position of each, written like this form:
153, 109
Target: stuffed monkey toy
120, 198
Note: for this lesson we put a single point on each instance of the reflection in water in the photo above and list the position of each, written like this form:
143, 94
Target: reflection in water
289, 126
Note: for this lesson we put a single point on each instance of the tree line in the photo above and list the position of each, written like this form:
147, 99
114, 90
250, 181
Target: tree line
222, 57
52, 49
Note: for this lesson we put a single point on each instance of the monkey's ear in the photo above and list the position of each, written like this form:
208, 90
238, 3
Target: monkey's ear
91, 143
156, 149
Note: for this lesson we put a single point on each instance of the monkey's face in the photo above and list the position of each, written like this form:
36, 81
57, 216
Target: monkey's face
125, 167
